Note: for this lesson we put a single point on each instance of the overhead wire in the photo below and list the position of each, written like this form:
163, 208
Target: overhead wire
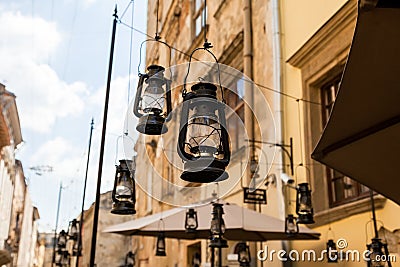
258, 84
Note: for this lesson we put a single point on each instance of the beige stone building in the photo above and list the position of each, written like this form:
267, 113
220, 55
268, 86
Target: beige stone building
18, 217
295, 52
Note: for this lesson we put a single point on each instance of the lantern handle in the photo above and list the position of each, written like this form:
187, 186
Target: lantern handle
125, 135
156, 39
206, 48
308, 174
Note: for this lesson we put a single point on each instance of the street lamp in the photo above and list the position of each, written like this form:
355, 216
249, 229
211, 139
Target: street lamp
203, 142
217, 228
243, 252
73, 229
191, 222
291, 226
331, 251
160, 247
123, 194
152, 92
304, 207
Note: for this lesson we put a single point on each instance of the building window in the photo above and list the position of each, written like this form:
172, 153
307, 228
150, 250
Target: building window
235, 114
342, 189
198, 17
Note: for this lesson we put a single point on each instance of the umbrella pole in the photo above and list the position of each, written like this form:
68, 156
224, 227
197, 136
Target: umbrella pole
219, 257
212, 257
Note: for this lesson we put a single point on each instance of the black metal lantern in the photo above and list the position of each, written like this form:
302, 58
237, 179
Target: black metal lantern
217, 227
73, 229
304, 207
62, 258
191, 222
331, 250
76, 251
124, 195
379, 254
291, 226
161, 248
243, 252
62, 239
153, 101
203, 142
129, 260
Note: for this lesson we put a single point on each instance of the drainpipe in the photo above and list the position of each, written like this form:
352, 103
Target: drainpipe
278, 111
249, 97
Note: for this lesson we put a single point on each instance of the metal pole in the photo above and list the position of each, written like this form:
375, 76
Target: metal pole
212, 257
103, 136
55, 229
219, 257
371, 194
84, 195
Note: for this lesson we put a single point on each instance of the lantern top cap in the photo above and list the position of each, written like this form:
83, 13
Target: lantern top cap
205, 89
290, 216
303, 186
155, 68
124, 163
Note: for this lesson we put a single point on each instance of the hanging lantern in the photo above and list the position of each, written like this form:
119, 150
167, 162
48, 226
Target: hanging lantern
152, 92
62, 239
73, 230
160, 248
58, 257
217, 227
304, 207
123, 195
291, 226
65, 258
333, 255
379, 254
243, 252
76, 251
203, 142
191, 222
129, 260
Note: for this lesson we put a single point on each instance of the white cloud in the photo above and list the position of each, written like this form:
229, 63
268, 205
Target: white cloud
25, 44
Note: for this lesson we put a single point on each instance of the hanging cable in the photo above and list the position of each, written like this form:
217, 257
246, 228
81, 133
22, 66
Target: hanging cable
126, 130
157, 37
258, 84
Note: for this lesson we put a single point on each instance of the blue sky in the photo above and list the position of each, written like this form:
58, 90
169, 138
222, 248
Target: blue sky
54, 58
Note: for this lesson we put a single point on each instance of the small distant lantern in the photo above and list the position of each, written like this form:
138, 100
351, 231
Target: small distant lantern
76, 250
379, 254
65, 259
62, 258
58, 257
304, 207
129, 260
243, 252
73, 229
291, 226
333, 255
62, 239
150, 107
124, 195
161, 248
217, 227
203, 142
191, 222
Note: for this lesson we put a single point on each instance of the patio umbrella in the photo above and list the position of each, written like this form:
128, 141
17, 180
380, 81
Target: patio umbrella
362, 136
241, 224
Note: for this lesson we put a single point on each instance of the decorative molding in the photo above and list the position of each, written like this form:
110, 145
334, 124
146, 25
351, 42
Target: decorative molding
347, 210
329, 31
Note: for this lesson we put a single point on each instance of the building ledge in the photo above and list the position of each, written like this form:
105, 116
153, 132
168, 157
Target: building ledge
347, 210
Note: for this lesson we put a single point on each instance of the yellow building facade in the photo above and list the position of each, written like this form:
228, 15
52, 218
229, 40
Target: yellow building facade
294, 52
